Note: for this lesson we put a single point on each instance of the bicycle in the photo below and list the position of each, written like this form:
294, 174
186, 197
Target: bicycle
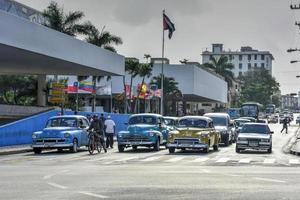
94, 142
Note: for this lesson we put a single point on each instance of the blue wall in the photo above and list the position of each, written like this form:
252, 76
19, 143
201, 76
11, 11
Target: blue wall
20, 132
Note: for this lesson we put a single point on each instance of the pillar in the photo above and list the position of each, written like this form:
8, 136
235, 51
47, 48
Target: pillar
41, 95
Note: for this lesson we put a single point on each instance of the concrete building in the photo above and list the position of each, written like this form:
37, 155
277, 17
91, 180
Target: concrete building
244, 60
289, 102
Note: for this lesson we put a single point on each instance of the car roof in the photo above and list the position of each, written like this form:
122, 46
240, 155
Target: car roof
197, 117
147, 114
169, 117
68, 116
217, 114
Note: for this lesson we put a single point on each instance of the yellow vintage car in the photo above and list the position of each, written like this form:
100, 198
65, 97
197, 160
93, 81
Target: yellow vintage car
194, 132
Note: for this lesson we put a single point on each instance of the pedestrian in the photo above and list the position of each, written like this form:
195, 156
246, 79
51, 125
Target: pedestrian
110, 129
285, 125
102, 118
98, 127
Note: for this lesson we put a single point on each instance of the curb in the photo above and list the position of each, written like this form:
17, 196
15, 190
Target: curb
15, 151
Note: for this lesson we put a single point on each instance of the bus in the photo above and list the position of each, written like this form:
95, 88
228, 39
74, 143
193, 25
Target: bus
270, 109
251, 109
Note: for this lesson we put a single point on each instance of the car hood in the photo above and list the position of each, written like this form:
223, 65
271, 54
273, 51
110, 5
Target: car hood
221, 128
56, 131
190, 132
254, 136
138, 128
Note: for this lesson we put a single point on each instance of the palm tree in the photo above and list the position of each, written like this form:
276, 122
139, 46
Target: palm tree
65, 23
222, 67
103, 39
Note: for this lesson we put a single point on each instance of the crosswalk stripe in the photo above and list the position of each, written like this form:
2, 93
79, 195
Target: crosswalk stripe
198, 160
245, 160
269, 161
294, 161
151, 159
126, 159
223, 160
175, 159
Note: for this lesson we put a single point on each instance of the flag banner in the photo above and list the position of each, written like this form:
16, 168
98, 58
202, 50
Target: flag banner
143, 89
168, 25
127, 90
104, 89
86, 86
155, 93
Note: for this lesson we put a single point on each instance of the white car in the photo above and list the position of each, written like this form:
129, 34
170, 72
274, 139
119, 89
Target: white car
255, 136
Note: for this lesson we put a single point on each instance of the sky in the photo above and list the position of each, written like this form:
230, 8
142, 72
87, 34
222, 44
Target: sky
266, 25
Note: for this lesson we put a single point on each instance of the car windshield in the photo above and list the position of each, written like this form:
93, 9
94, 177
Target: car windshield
219, 121
62, 122
252, 128
190, 122
142, 120
240, 123
170, 122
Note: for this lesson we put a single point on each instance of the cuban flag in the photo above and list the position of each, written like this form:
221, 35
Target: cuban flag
168, 25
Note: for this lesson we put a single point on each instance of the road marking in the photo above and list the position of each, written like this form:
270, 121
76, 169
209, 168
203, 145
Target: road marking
51, 175
198, 160
223, 160
245, 160
269, 180
57, 185
126, 159
94, 195
151, 159
176, 159
269, 161
294, 161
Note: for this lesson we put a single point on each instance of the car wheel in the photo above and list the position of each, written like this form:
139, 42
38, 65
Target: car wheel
134, 148
157, 145
37, 150
121, 148
74, 148
237, 149
171, 150
60, 150
216, 147
270, 150
227, 141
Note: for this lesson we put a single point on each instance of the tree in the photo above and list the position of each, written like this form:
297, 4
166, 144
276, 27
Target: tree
259, 86
18, 90
132, 68
65, 23
103, 39
222, 67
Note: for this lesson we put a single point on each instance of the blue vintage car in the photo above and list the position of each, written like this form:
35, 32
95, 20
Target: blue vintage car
147, 130
62, 132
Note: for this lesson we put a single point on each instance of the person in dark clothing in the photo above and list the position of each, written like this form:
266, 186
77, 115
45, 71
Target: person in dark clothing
285, 125
98, 127
102, 118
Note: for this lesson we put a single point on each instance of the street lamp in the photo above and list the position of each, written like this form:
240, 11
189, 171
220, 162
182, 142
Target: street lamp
292, 50
294, 61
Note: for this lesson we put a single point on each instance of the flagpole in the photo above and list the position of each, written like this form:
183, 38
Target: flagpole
76, 109
162, 71
111, 97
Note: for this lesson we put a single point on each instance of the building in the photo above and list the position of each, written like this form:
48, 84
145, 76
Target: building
244, 60
289, 102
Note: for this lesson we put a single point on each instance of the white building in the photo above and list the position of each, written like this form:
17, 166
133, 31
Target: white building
243, 60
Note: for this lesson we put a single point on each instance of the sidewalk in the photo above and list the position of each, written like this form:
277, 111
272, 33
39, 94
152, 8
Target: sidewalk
15, 149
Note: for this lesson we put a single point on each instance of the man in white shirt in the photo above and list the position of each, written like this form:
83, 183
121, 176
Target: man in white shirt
110, 128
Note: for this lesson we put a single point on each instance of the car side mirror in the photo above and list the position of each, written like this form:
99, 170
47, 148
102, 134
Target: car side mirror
271, 132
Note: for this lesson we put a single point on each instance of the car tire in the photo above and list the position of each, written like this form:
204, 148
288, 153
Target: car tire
37, 150
226, 141
60, 150
157, 145
171, 150
134, 148
237, 150
74, 148
216, 147
270, 150
121, 148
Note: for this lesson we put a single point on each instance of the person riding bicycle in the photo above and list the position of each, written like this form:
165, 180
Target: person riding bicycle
98, 127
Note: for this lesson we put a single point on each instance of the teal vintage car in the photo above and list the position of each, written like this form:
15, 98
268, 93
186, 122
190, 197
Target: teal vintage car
148, 130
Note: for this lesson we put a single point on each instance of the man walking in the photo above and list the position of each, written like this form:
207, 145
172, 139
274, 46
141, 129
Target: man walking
110, 128
285, 125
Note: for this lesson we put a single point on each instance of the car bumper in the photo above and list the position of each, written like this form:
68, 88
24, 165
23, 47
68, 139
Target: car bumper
135, 143
260, 146
188, 146
52, 145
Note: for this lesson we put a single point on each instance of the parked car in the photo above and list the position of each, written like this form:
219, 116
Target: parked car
223, 124
194, 132
255, 136
62, 132
147, 130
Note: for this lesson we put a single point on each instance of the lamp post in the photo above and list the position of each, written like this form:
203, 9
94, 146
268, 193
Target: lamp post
292, 50
294, 61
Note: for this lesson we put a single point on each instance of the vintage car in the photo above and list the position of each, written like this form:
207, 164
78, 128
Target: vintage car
194, 132
254, 136
171, 122
147, 130
224, 125
62, 132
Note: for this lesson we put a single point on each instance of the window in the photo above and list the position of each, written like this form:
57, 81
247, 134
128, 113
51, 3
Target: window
240, 66
249, 66
267, 61
210, 57
255, 57
240, 73
263, 57
255, 65
230, 57
249, 57
240, 57
262, 65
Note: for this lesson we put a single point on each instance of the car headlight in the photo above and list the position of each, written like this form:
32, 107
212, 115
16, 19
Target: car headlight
66, 135
265, 140
34, 136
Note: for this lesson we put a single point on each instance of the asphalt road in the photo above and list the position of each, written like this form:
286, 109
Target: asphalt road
154, 175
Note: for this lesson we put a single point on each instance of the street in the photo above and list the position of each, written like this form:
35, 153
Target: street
145, 174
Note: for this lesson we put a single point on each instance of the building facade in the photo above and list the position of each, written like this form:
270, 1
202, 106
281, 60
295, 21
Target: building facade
243, 60
289, 102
